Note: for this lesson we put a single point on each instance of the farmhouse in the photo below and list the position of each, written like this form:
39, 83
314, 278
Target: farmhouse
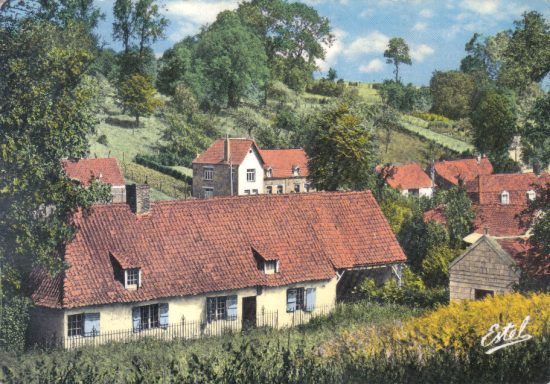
238, 167
188, 268
105, 170
448, 173
410, 179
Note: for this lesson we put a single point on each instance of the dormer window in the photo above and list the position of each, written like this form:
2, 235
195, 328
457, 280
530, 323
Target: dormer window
271, 267
269, 172
531, 195
132, 278
505, 197
295, 170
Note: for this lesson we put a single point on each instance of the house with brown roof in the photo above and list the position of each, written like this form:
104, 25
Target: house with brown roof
105, 170
187, 268
233, 166
410, 179
447, 173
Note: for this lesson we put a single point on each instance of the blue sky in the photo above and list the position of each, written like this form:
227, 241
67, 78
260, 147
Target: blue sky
436, 30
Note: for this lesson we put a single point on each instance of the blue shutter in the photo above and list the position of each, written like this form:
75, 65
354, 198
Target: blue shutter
291, 300
91, 324
310, 299
163, 314
136, 318
231, 307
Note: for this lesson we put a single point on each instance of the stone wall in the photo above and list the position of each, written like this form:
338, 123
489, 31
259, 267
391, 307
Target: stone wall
221, 181
482, 268
288, 184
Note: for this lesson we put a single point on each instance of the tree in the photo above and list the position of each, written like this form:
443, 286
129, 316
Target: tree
535, 140
123, 27
332, 75
343, 150
232, 59
452, 93
137, 95
494, 122
435, 266
387, 122
149, 24
294, 37
485, 56
175, 63
458, 211
47, 111
527, 56
397, 53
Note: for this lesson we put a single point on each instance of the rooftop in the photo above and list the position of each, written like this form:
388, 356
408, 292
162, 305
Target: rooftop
238, 149
282, 161
106, 170
464, 169
407, 176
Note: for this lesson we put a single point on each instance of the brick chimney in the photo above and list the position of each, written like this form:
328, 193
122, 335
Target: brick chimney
137, 197
226, 149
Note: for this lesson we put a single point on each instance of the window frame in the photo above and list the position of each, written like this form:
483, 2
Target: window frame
269, 189
148, 321
531, 195
136, 276
208, 189
297, 188
208, 173
280, 188
505, 198
217, 308
75, 325
271, 267
300, 303
251, 175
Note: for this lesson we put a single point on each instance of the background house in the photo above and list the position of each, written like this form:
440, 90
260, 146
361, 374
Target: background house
286, 171
447, 173
106, 170
229, 261
410, 179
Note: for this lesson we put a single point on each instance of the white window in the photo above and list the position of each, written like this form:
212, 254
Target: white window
300, 299
505, 197
221, 308
208, 173
271, 267
269, 172
208, 192
269, 189
295, 171
280, 189
251, 175
83, 324
150, 316
133, 277
531, 195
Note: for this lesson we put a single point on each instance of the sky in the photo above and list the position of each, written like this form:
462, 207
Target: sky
435, 30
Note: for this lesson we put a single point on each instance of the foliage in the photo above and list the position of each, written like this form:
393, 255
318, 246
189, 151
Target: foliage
397, 53
453, 93
527, 55
535, 139
107, 64
326, 87
387, 122
137, 95
102, 139
405, 98
14, 321
149, 163
396, 211
485, 56
435, 271
458, 211
431, 117
343, 150
494, 122
157, 180
174, 64
332, 74
47, 111
233, 60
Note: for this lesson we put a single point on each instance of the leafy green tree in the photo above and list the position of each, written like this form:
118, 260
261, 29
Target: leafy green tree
535, 139
294, 37
47, 112
458, 211
148, 23
494, 122
343, 150
123, 12
233, 60
527, 56
405, 98
397, 53
435, 266
175, 63
452, 93
485, 56
387, 122
137, 95
332, 74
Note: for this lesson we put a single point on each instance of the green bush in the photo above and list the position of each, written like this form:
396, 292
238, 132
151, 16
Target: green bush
325, 87
147, 162
15, 317
102, 139
431, 117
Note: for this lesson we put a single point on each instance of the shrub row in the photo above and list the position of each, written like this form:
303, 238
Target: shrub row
164, 183
149, 163
432, 117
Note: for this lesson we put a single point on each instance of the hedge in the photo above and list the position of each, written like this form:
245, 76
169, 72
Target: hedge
146, 162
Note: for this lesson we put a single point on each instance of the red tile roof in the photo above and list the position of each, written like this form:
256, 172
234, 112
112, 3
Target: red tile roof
105, 169
465, 169
407, 176
501, 220
282, 161
199, 246
238, 149
486, 189
523, 253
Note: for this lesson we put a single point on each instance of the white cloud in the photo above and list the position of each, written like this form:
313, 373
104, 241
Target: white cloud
332, 52
367, 13
420, 26
483, 7
374, 42
192, 14
375, 65
420, 52
427, 13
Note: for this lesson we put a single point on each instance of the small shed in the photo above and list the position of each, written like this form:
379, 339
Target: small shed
485, 268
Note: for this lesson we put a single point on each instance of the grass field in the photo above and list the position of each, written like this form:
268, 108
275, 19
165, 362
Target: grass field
368, 93
405, 148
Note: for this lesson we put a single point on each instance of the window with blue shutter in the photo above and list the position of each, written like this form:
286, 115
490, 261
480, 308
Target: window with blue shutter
231, 307
91, 324
290, 300
136, 319
310, 299
163, 314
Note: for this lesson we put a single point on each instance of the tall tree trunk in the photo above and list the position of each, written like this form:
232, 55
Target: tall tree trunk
397, 72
